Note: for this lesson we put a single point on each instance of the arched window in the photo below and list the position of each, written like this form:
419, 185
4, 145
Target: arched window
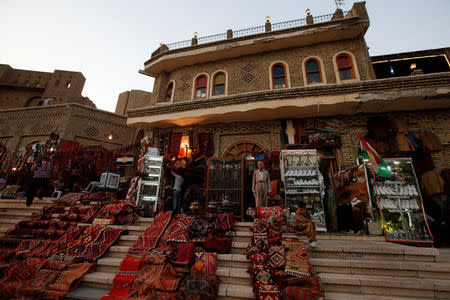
312, 68
200, 87
169, 92
345, 67
219, 84
278, 76
246, 149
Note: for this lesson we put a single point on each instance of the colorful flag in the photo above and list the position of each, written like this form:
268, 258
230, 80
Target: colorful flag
378, 164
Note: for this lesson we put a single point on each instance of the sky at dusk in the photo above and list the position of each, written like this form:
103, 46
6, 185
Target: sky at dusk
109, 41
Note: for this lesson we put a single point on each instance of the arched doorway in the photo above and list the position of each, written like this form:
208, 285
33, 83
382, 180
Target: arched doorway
251, 152
245, 149
34, 101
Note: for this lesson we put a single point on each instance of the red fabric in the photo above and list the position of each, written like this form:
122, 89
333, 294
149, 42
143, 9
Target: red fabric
206, 144
152, 235
129, 269
185, 252
175, 143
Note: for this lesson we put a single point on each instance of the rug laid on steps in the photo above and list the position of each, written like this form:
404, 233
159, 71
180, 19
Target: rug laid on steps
152, 234
133, 262
129, 269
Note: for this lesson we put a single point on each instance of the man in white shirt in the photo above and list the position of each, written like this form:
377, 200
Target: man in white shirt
176, 193
261, 185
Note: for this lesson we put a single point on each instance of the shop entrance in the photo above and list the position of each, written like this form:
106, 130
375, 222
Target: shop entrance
251, 152
328, 167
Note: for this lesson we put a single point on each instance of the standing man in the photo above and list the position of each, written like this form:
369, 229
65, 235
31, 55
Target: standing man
176, 193
261, 185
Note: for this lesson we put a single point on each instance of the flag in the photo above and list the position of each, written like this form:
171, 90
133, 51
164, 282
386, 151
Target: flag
292, 132
378, 164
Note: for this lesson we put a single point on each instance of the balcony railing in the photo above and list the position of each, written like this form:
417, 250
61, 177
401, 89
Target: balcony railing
251, 31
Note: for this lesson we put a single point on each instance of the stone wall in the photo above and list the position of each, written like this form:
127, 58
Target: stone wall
437, 122
252, 73
26, 88
267, 134
89, 126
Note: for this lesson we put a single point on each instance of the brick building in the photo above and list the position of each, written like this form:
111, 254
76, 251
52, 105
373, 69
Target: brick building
34, 104
326, 72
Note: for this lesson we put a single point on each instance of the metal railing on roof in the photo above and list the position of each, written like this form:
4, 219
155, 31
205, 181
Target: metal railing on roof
252, 31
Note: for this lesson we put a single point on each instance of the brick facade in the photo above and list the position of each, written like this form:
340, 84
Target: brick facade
252, 73
89, 126
268, 134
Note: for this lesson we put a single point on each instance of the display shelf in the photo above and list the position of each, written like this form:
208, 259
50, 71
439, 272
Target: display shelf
400, 203
293, 162
149, 187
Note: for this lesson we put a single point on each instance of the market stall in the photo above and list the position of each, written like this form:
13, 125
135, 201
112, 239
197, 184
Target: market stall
303, 183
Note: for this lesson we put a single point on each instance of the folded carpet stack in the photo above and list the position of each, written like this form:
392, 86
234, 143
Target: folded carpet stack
280, 266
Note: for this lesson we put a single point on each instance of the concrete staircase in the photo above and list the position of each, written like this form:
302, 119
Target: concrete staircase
351, 267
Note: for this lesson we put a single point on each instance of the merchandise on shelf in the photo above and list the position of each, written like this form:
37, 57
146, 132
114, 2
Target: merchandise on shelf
151, 170
225, 184
303, 183
399, 202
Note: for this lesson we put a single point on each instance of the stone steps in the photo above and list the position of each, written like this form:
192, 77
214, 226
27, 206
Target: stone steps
235, 276
386, 285
347, 296
226, 291
23, 201
233, 260
228, 287
109, 264
86, 293
127, 240
382, 268
372, 250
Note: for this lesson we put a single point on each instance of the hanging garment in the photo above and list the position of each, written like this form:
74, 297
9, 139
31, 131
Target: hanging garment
423, 161
445, 174
175, 143
400, 125
206, 143
432, 183
403, 144
430, 141
413, 138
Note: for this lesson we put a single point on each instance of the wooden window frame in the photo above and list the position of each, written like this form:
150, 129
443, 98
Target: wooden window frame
352, 68
196, 86
273, 77
214, 83
167, 92
318, 70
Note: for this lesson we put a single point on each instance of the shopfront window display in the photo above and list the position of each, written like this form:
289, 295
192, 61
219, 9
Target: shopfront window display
353, 206
225, 184
303, 183
399, 202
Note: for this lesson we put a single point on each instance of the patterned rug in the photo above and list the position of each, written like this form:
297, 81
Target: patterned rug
177, 229
152, 234
132, 265
105, 238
